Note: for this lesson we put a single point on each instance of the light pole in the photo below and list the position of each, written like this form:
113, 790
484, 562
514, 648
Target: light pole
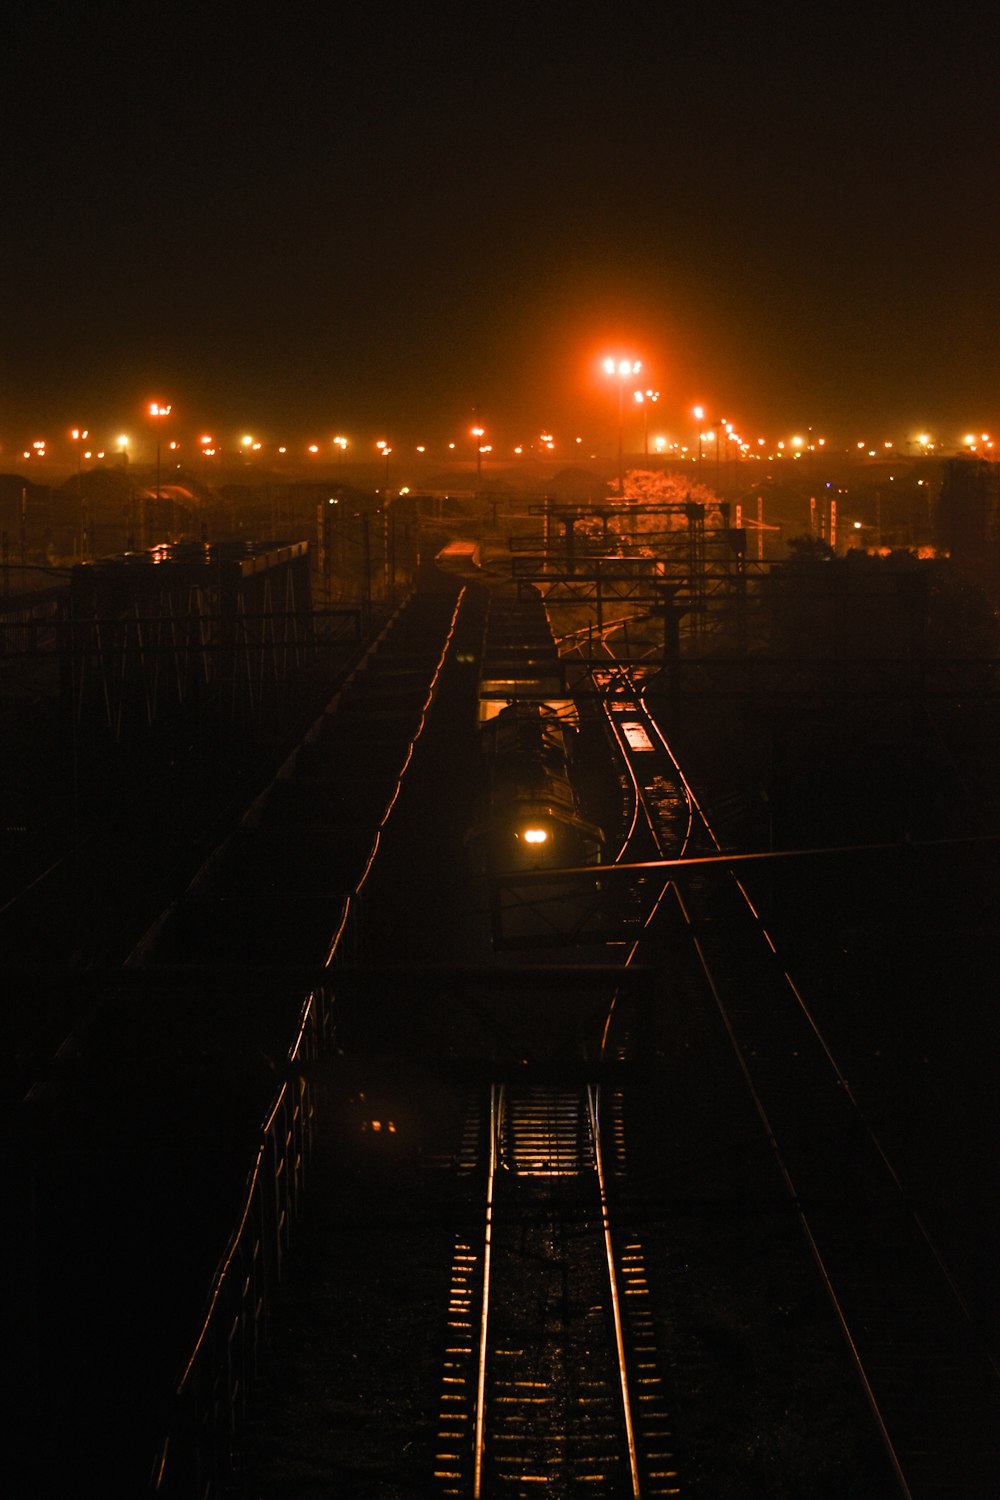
479, 433
623, 368
645, 399
78, 435
158, 411
385, 449
699, 416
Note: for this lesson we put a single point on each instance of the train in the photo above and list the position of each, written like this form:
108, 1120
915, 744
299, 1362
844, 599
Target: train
531, 818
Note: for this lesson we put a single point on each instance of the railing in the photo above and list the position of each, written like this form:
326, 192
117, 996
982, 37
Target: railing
194, 1460
209, 1400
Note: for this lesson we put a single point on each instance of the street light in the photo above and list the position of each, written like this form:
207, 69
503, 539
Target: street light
158, 411
79, 436
623, 368
478, 433
645, 399
699, 416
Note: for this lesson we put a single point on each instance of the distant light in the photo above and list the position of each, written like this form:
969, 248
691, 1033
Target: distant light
535, 835
421, 448
313, 448
282, 450
247, 441
205, 441
123, 442
857, 525
157, 409
699, 413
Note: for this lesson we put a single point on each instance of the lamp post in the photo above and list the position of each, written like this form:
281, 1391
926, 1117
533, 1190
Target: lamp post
158, 411
385, 449
78, 435
623, 368
478, 433
645, 399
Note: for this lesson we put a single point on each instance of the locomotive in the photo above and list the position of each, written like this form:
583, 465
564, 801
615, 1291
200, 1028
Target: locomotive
531, 818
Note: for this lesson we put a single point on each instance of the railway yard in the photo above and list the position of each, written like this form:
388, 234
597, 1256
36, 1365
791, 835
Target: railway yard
386, 1159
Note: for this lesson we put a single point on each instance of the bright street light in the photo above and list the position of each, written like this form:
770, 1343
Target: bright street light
158, 410
645, 399
623, 368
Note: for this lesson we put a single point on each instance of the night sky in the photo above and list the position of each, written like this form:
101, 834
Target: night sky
375, 219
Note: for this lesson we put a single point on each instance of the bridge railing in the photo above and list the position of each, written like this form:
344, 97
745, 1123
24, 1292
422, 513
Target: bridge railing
209, 1400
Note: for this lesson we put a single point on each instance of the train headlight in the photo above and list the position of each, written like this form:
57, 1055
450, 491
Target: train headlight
535, 835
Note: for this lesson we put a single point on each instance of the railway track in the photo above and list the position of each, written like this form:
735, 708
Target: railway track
551, 1379
912, 1343
622, 1241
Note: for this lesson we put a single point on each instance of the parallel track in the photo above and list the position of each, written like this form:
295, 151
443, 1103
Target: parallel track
899, 1308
